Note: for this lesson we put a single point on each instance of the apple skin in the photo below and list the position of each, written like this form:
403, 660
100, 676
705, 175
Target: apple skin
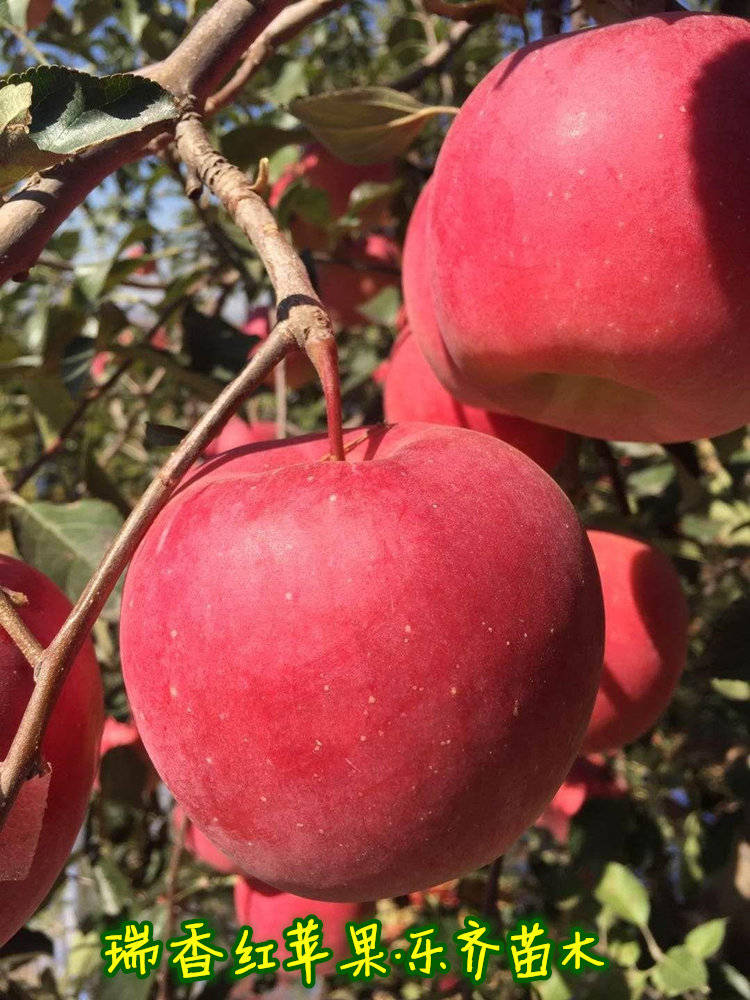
416, 285
70, 745
412, 392
236, 432
589, 232
205, 851
343, 288
199, 845
321, 169
646, 635
411, 680
269, 912
589, 778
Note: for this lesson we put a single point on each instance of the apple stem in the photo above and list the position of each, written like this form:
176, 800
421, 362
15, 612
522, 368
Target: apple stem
280, 386
323, 353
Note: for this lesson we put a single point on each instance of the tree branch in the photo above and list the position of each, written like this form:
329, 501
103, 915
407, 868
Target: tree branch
474, 11
19, 632
296, 299
197, 65
283, 28
437, 58
56, 660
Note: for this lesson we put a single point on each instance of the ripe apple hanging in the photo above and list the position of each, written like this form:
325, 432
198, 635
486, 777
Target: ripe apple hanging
39, 832
588, 239
364, 677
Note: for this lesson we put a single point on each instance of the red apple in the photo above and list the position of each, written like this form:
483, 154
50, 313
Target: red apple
269, 912
589, 232
588, 779
418, 300
44, 822
321, 169
299, 369
199, 845
356, 273
236, 433
646, 633
411, 392
373, 674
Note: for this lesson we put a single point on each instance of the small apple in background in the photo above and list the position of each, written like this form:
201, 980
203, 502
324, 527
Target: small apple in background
357, 272
135, 252
42, 825
102, 359
299, 369
321, 169
589, 778
203, 849
444, 579
125, 770
412, 392
588, 239
37, 13
99, 364
646, 636
269, 912
237, 433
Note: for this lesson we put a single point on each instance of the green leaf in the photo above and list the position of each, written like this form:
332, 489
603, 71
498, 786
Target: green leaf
365, 124
53, 404
15, 102
290, 83
66, 541
625, 953
621, 892
370, 193
736, 980
67, 111
249, 142
309, 203
706, 939
728, 687
554, 988
383, 307
679, 971
14, 12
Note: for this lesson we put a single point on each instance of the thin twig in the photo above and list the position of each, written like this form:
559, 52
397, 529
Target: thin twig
283, 28
614, 472
58, 264
279, 377
164, 990
34, 51
436, 59
295, 296
197, 66
476, 10
87, 400
491, 887
19, 631
59, 655
552, 17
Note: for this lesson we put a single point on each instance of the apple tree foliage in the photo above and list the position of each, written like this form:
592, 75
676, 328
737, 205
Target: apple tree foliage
662, 873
